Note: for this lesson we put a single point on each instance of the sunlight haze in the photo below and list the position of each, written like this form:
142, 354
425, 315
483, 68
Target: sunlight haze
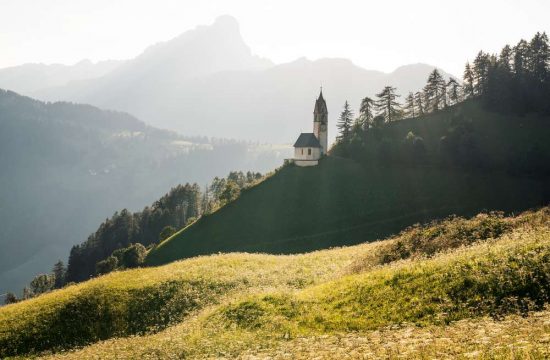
374, 35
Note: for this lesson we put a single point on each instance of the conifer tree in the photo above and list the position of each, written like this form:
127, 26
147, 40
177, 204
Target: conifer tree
539, 57
419, 102
435, 91
387, 104
481, 68
345, 122
366, 113
410, 105
59, 272
468, 81
454, 91
520, 58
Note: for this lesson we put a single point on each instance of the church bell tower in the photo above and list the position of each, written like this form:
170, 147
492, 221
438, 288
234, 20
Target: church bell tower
320, 122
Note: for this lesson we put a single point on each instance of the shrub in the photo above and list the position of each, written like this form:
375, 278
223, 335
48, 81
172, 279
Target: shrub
107, 265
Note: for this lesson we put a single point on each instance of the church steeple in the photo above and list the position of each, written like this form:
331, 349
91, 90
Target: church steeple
320, 112
320, 121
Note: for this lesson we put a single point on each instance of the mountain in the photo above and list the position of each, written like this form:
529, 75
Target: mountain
458, 161
29, 78
207, 81
66, 167
420, 294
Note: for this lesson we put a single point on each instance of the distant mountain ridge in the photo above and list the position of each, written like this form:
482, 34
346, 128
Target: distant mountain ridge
66, 167
207, 82
29, 78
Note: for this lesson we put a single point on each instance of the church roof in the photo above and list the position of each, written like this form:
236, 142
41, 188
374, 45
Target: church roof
307, 140
320, 105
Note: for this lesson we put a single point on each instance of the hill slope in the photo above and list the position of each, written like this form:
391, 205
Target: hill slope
344, 202
241, 304
66, 167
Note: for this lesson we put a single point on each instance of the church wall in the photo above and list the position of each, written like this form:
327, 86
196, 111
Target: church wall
315, 154
306, 162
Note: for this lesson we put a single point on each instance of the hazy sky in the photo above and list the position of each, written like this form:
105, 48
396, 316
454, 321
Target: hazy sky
377, 35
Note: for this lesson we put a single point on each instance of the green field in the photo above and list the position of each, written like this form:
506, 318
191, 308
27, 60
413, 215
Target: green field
341, 203
477, 286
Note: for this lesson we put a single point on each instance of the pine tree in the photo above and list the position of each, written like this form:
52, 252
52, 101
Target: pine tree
454, 91
520, 58
410, 105
345, 122
539, 57
435, 91
387, 104
366, 113
60, 273
419, 102
481, 68
468, 81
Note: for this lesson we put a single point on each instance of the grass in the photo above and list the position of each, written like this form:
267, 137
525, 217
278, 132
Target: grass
344, 202
478, 275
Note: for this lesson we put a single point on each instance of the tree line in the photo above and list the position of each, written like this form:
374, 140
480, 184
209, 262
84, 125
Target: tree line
517, 80
121, 242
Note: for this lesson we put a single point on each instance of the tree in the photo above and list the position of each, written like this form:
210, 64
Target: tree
468, 81
435, 91
539, 57
419, 103
106, 266
166, 232
27, 293
482, 64
454, 91
387, 104
410, 105
11, 298
366, 113
42, 283
345, 122
133, 256
60, 273
230, 192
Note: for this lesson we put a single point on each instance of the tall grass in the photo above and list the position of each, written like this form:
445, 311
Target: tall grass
225, 305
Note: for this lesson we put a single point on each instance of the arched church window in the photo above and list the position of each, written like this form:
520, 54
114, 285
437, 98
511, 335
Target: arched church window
309, 151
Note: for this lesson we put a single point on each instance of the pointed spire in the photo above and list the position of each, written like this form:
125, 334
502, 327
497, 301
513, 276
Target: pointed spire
320, 104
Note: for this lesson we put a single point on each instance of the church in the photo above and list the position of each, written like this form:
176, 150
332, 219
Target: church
310, 147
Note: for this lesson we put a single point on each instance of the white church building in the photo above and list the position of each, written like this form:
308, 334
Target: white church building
310, 147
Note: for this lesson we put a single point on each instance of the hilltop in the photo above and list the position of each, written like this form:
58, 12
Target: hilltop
454, 276
375, 192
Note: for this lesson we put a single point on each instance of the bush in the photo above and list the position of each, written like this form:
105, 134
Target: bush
133, 256
107, 265
166, 232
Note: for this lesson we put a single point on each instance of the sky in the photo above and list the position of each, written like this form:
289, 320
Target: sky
379, 35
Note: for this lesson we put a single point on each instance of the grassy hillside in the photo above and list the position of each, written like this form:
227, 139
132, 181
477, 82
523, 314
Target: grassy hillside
454, 272
342, 202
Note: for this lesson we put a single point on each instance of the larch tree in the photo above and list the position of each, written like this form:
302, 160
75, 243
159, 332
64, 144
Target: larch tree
345, 122
468, 81
410, 106
481, 69
419, 102
366, 113
435, 91
387, 104
453, 90
60, 273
